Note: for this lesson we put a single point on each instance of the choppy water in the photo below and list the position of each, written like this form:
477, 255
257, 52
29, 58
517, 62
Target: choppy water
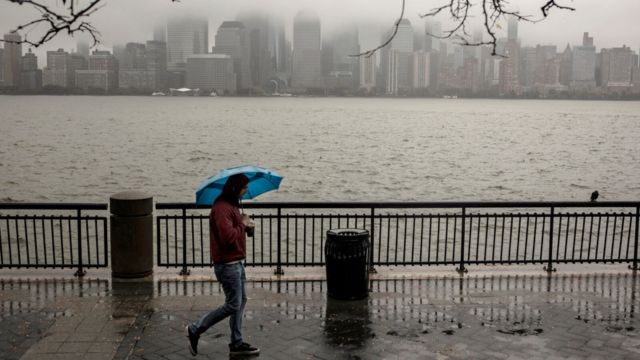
77, 149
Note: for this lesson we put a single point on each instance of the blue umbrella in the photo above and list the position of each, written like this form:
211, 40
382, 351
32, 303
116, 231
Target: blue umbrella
260, 181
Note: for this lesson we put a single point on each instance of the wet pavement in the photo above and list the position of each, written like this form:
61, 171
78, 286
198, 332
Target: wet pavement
499, 316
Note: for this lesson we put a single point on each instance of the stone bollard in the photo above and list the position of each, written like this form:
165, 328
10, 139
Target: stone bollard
131, 234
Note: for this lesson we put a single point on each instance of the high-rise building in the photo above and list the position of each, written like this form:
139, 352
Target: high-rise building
279, 48
232, 39
583, 65
421, 69
547, 65
132, 68
403, 41
616, 67
391, 72
76, 62
564, 72
432, 32
367, 73
30, 76
345, 44
57, 72
306, 51
399, 59
211, 73
102, 74
186, 37
527, 74
157, 63
12, 58
258, 27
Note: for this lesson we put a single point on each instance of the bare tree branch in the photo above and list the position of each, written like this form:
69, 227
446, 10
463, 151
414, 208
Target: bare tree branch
69, 19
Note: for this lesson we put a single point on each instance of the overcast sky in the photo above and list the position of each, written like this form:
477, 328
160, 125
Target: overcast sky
610, 22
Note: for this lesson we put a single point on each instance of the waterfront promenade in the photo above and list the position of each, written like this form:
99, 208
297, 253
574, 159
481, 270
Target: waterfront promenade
411, 313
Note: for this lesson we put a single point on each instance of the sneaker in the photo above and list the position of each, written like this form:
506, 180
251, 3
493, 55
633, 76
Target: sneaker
243, 349
192, 344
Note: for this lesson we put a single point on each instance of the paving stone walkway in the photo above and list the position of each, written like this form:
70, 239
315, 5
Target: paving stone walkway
564, 316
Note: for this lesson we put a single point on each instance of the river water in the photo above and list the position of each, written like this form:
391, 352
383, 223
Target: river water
83, 149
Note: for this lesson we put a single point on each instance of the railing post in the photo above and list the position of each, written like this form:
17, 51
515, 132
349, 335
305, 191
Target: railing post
279, 270
184, 270
635, 247
80, 272
372, 270
549, 267
461, 269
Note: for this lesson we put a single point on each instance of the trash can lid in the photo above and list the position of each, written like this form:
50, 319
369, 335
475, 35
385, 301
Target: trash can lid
347, 232
131, 203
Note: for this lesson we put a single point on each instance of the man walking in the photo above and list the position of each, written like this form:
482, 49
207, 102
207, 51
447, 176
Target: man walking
228, 250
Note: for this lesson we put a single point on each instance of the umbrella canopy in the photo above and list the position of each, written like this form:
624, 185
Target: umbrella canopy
260, 181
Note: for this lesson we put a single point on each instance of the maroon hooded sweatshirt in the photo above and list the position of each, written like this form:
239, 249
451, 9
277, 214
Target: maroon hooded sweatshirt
226, 233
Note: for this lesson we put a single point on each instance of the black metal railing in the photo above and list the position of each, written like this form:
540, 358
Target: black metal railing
53, 236
401, 233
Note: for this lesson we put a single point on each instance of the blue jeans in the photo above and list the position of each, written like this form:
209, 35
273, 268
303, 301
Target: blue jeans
232, 279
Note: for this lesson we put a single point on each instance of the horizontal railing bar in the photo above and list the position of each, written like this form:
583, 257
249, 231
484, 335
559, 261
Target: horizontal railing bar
406, 205
54, 206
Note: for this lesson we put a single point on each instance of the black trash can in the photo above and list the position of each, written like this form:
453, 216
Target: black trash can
347, 254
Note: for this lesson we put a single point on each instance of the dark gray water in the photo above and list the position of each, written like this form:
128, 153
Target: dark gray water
77, 149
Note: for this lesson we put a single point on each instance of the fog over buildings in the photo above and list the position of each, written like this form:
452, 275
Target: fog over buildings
249, 47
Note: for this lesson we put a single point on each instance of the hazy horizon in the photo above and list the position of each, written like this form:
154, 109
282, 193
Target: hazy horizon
122, 21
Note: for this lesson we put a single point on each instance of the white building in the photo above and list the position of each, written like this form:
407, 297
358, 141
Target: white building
211, 73
307, 68
421, 66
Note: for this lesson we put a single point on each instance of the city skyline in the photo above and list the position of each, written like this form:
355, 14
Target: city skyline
616, 25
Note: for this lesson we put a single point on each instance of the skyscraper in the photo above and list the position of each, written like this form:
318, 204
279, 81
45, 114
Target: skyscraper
186, 37
12, 58
157, 63
30, 76
306, 51
257, 25
345, 43
399, 59
232, 39
421, 69
432, 30
279, 47
583, 65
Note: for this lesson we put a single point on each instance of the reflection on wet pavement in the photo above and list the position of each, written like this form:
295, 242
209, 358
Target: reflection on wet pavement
483, 317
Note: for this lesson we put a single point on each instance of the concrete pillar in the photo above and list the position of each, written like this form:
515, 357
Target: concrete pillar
131, 234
